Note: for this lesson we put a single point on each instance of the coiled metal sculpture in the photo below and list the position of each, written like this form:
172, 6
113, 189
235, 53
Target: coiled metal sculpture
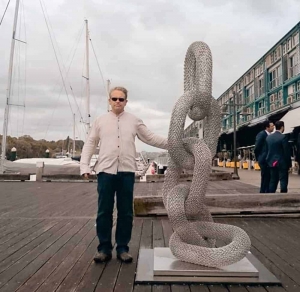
195, 232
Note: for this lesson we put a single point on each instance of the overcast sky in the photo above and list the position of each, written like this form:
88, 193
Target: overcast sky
139, 44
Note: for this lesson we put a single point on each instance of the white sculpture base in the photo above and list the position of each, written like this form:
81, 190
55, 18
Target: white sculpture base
160, 266
165, 264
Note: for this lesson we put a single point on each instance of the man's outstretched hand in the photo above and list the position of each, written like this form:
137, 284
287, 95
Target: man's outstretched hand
86, 176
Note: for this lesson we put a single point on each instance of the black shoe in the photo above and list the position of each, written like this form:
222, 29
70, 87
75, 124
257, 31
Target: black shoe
102, 257
125, 257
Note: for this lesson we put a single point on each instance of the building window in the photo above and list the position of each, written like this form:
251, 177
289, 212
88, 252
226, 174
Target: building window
275, 78
261, 88
293, 66
289, 44
258, 70
284, 48
295, 39
249, 94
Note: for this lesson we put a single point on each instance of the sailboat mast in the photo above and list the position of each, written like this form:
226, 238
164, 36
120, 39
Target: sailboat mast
87, 77
73, 154
8, 92
108, 90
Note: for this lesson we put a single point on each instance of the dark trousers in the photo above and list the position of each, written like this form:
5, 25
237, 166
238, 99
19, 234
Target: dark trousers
120, 184
265, 178
279, 174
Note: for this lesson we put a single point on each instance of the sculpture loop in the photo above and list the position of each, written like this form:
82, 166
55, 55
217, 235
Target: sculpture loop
195, 232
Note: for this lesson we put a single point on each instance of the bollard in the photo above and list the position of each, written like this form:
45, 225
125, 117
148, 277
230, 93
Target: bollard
13, 154
39, 170
249, 164
47, 153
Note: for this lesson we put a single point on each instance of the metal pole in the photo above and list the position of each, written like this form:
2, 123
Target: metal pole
108, 90
87, 78
235, 174
8, 93
73, 135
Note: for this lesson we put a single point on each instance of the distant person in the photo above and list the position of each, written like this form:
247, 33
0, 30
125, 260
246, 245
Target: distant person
278, 159
152, 169
260, 152
115, 168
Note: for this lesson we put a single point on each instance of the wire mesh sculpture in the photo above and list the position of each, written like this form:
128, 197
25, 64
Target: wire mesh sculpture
195, 233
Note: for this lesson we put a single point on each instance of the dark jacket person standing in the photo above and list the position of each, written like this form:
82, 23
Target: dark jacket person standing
260, 151
278, 159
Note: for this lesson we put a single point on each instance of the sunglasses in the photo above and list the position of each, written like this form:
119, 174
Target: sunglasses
121, 99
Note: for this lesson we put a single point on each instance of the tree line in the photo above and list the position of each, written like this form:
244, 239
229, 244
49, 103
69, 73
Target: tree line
27, 147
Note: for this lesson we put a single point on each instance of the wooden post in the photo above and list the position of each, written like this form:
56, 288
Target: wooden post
39, 171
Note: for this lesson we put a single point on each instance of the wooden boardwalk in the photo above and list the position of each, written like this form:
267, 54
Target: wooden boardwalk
48, 240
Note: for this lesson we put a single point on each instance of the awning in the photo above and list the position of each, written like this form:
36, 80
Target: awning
291, 120
257, 121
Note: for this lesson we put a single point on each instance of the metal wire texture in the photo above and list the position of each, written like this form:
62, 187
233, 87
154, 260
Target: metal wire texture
195, 233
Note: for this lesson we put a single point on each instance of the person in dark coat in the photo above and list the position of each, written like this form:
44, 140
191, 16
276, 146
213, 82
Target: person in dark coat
278, 158
261, 154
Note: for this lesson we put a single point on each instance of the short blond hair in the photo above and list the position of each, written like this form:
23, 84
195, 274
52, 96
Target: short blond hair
123, 89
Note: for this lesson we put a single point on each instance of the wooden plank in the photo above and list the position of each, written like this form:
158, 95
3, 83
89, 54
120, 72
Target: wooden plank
6, 223
236, 288
72, 178
14, 177
125, 281
109, 276
17, 252
90, 279
217, 288
39, 277
60, 245
142, 288
55, 279
8, 274
266, 258
26, 231
77, 272
199, 288
276, 289
272, 251
288, 234
158, 236
167, 230
227, 204
146, 237
93, 273
256, 289
17, 229
180, 288
15, 246
161, 288
283, 247
214, 176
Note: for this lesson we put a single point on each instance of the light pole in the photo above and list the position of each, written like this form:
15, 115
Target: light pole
235, 174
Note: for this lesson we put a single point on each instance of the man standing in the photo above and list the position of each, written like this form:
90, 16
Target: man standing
115, 133
260, 154
278, 158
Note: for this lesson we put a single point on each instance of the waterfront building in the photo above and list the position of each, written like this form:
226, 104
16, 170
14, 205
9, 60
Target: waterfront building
269, 89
